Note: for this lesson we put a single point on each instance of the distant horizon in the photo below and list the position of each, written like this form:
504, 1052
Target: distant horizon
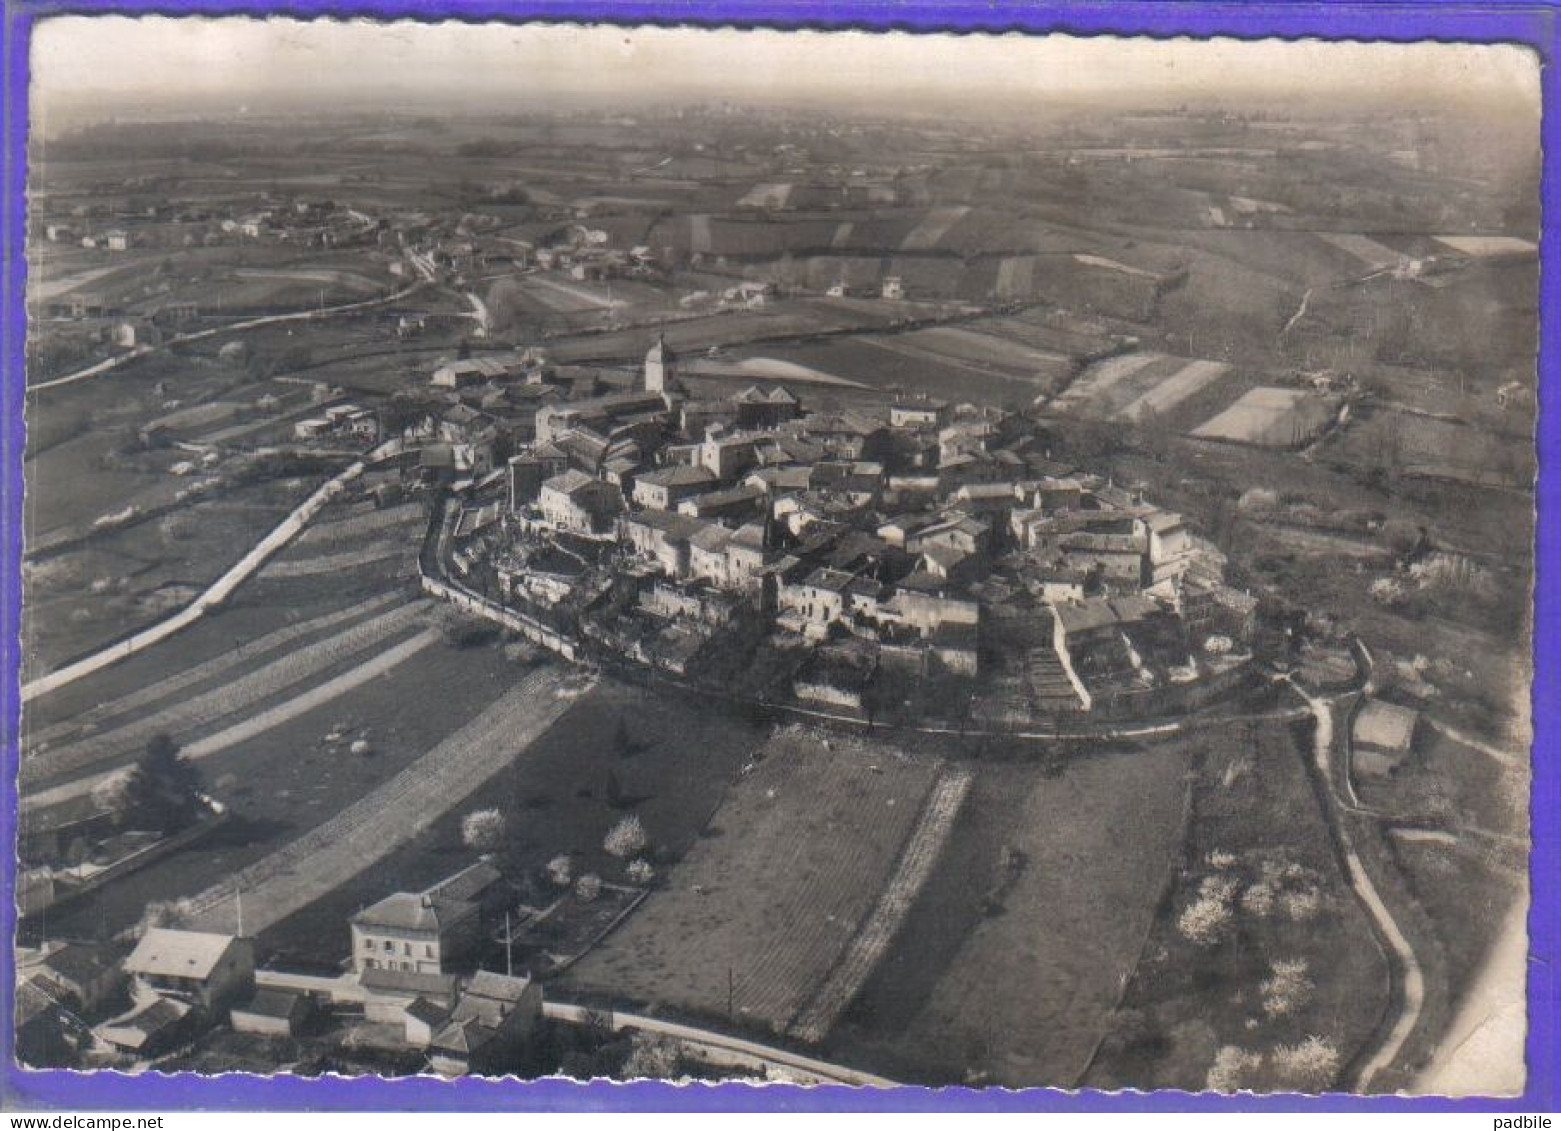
78, 61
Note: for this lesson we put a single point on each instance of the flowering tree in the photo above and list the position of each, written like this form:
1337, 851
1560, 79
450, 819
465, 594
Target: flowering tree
482, 830
1309, 1066
626, 839
1232, 1069
652, 1057
1288, 988
1203, 920
560, 870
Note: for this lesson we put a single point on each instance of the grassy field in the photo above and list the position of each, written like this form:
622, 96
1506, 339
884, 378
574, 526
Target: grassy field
1270, 417
775, 888
289, 780
886, 363
1258, 889
1039, 889
268, 680
1454, 785
1462, 895
990, 353
1443, 449
679, 763
205, 661
393, 813
150, 568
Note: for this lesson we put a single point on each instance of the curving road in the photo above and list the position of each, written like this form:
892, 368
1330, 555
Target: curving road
214, 594
718, 1048
113, 363
1410, 976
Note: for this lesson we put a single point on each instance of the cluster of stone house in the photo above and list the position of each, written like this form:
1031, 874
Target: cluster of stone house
893, 527
412, 971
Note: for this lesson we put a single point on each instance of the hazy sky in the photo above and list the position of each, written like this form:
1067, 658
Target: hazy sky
117, 54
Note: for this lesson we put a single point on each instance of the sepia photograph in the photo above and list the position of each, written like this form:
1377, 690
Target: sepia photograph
768, 555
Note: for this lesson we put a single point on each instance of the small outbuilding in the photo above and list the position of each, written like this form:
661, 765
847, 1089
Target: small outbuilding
1384, 734
273, 1012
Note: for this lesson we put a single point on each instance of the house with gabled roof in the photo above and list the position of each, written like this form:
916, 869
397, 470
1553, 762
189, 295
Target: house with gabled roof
493, 1018
199, 968
424, 932
665, 487
576, 502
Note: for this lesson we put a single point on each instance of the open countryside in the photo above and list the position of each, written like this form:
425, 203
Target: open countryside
718, 583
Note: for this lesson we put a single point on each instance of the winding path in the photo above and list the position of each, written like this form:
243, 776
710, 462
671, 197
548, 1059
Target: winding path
1411, 978
113, 363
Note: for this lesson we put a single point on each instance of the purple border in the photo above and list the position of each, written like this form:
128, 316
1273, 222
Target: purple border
1533, 24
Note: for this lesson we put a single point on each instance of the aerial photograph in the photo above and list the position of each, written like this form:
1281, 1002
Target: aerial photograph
767, 555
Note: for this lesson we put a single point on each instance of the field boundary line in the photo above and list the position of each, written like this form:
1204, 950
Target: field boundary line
166, 688
219, 590
868, 946
191, 716
250, 728
331, 563
317, 696
332, 853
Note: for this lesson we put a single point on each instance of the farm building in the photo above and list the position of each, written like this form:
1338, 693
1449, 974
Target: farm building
491, 1022
602, 414
662, 536
423, 1019
149, 1028
664, 488
43, 1031
388, 994
759, 409
471, 371
918, 412
1384, 734
62, 832
272, 1013
196, 967
80, 975
730, 503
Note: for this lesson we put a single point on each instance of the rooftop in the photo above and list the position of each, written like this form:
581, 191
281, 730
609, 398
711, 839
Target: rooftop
166, 952
1386, 726
270, 1001
711, 538
832, 579
677, 475
569, 482
407, 982
428, 1012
